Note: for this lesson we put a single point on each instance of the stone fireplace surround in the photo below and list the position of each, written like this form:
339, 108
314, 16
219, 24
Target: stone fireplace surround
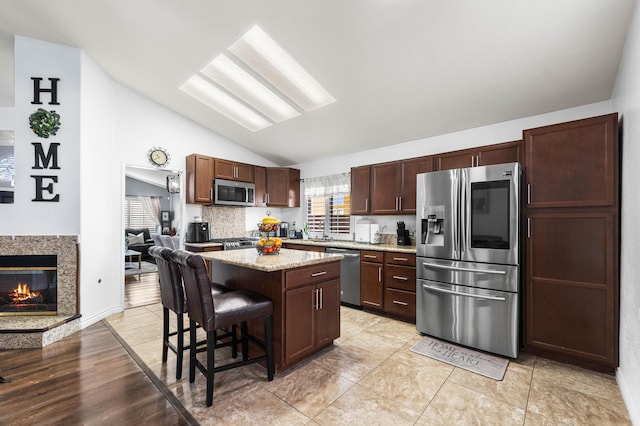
35, 331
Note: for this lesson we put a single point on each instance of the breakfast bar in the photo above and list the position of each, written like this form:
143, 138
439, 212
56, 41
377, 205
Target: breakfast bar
304, 288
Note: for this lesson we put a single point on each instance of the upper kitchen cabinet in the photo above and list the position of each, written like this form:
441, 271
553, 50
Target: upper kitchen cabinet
393, 185
572, 164
360, 190
225, 169
507, 152
283, 187
200, 172
260, 180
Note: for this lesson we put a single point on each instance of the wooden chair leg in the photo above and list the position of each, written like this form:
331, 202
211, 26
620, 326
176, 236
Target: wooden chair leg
234, 342
165, 333
244, 336
179, 355
192, 351
268, 345
211, 344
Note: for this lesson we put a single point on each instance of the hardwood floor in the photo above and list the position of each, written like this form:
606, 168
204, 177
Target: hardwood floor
87, 378
141, 290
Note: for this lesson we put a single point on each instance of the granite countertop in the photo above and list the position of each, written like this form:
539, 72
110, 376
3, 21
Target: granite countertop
286, 259
347, 244
203, 245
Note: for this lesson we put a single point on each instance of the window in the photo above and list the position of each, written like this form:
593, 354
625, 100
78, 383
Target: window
328, 204
137, 216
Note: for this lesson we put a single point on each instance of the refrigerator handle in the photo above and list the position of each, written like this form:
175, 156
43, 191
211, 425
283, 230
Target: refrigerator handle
462, 211
457, 293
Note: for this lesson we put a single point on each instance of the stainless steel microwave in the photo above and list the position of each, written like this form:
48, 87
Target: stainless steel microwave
232, 193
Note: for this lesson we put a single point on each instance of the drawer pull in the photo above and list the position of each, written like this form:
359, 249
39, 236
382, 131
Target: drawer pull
396, 277
371, 303
370, 256
401, 259
317, 274
397, 302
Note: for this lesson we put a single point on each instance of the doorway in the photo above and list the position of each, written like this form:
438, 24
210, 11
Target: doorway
151, 205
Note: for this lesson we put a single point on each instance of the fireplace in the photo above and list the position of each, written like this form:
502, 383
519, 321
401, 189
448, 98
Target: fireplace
28, 285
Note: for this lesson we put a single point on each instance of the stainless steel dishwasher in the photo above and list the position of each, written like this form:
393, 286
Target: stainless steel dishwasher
349, 276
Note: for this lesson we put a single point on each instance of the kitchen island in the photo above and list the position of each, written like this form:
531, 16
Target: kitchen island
304, 288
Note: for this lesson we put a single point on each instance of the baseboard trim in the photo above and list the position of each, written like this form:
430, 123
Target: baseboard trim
86, 321
632, 402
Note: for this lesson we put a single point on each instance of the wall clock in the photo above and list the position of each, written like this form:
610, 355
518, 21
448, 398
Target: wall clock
159, 156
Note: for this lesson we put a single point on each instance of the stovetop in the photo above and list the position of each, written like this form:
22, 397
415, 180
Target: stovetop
235, 243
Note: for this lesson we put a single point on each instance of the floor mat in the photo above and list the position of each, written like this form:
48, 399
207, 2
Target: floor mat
487, 365
131, 268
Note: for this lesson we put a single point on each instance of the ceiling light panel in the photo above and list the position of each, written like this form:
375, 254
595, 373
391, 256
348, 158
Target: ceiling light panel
256, 49
225, 104
236, 80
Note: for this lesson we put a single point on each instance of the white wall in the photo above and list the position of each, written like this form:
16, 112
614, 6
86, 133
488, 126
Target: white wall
626, 100
486, 135
34, 58
101, 251
141, 124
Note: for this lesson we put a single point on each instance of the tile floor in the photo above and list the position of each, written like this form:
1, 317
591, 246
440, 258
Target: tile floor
370, 377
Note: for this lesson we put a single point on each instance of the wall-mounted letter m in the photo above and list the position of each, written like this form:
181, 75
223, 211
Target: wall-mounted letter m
41, 161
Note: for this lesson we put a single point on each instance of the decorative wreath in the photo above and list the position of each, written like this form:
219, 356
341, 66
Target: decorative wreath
44, 123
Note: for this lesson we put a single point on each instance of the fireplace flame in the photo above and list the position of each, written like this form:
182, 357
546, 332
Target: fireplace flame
24, 294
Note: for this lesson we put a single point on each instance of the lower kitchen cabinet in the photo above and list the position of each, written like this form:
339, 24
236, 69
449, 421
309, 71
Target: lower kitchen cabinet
400, 285
312, 318
571, 308
304, 247
371, 276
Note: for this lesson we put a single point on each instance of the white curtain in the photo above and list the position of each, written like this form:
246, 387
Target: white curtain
152, 208
326, 185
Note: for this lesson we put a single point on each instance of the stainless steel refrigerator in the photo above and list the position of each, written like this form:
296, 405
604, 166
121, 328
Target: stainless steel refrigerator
468, 256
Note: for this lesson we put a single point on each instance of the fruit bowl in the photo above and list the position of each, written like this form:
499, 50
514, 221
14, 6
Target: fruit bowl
268, 250
269, 246
268, 227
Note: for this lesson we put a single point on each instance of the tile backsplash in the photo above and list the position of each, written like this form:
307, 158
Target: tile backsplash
225, 222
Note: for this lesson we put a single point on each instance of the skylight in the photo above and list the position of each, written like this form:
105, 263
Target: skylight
263, 85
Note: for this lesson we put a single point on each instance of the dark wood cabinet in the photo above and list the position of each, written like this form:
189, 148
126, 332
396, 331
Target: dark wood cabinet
572, 164
410, 169
400, 285
360, 203
230, 170
200, 172
507, 152
572, 242
312, 311
304, 247
260, 180
283, 187
371, 279
306, 305
393, 185
275, 186
384, 188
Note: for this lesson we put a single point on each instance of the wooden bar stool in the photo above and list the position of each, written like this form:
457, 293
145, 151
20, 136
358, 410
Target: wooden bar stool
173, 299
213, 311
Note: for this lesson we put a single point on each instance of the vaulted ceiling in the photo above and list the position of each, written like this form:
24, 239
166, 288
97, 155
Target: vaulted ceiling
400, 70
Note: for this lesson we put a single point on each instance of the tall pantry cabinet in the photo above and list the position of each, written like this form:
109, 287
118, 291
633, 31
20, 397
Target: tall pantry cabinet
572, 241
